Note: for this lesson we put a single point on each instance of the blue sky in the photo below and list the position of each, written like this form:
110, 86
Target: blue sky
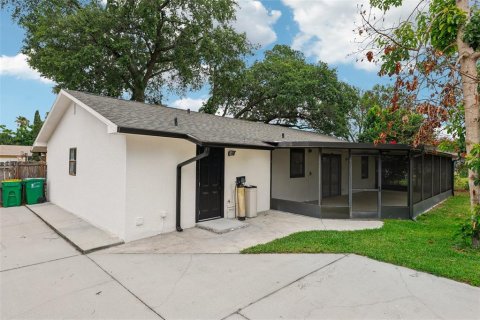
322, 29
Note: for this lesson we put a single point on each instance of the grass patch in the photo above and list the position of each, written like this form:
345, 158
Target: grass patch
428, 244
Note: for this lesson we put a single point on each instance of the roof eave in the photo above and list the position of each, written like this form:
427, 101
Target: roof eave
354, 145
191, 138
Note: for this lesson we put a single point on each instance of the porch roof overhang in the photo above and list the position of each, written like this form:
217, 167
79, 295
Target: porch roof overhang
363, 146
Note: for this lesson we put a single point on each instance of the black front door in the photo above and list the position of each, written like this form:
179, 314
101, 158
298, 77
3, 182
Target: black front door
331, 175
210, 184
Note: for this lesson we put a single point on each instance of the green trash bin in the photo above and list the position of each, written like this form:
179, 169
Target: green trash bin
12, 193
34, 190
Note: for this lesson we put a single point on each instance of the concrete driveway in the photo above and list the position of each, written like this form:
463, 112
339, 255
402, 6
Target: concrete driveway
42, 277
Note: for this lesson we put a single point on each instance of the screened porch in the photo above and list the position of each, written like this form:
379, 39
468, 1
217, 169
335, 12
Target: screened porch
358, 183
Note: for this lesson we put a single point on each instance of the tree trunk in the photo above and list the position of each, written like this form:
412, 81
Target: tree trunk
138, 94
468, 70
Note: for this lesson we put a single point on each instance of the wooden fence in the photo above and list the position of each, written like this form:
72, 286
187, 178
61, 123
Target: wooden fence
22, 170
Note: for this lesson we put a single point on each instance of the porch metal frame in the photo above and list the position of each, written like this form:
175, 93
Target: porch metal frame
410, 211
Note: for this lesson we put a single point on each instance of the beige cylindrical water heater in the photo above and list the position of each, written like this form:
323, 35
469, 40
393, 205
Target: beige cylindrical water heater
241, 203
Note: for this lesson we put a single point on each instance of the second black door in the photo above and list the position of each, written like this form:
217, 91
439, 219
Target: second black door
210, 171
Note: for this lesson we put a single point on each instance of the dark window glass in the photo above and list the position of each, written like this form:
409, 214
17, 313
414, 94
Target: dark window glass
72, 162
364, 167
297, 163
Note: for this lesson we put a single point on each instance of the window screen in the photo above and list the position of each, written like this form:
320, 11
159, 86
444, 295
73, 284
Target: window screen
395, 172
444, 176
436, 175
449, 173
427, 176
364, 167
72, 162
417, 179
297, 163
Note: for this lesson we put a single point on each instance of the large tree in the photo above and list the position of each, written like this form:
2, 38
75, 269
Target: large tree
25, 134
375, 122
433, 53
284, 89
140, 47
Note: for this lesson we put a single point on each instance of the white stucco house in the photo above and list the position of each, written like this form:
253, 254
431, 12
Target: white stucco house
118, 163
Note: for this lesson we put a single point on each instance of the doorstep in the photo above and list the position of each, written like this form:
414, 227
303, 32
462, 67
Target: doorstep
81, 234
222, 225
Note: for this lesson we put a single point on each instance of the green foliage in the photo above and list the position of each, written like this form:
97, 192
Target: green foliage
473, 162
25, 134
7, 136
447, 19
469, 230
460, 183
385, 4
284, 89
405, 34
472, 228
141, 47
37, 124
428, 244
384, 126
472, 31
455, 127
439, 27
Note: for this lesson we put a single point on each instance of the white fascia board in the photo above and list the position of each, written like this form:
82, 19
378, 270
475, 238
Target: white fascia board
62, 102
112, 127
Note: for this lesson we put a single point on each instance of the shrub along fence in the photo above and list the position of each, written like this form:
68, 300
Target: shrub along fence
22, 170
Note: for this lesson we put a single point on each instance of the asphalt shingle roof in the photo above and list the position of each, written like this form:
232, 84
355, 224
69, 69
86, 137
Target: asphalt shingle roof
205, 128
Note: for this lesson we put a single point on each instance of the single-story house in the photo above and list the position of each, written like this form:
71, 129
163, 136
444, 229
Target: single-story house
15, 153
137, 170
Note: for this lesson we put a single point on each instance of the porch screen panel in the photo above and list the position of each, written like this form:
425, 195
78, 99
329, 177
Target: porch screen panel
365, 204
417, 179
427, 176
445, 174
394, 180
325, 176
436, 175
449, 174
395, 172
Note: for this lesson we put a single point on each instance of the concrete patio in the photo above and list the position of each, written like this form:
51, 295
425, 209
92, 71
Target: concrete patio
267, 226
44, 277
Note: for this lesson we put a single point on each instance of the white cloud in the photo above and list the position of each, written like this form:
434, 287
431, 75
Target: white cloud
17, 66
188, 103
326, 28
256, 21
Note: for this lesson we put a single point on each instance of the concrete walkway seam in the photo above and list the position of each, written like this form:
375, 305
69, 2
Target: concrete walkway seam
283, 287
36, 264
123, 286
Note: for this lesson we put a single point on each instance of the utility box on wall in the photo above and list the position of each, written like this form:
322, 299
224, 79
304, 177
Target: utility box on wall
251, 201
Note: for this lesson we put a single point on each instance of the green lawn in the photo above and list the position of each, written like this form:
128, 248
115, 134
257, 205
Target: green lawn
428, 245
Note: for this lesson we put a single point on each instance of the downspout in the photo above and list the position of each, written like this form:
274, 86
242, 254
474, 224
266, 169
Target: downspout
179, 184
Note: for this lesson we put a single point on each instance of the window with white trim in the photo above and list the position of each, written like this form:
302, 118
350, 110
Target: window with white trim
72, 162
